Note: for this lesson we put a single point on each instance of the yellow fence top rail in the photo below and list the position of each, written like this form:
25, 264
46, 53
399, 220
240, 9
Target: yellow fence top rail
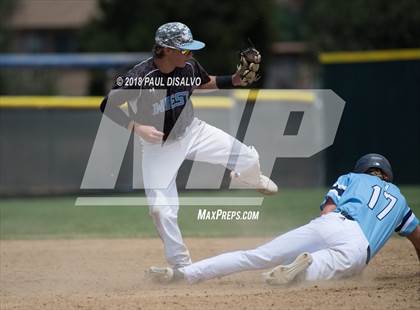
48, 102
304, 96
200, 102
370, 56
61, 102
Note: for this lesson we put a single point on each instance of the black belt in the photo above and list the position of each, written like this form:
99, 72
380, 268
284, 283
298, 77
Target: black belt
368, 255
347, 216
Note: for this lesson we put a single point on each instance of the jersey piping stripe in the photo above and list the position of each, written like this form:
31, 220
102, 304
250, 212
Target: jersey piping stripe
408, 222
150, 72
406, 217
139, 64
338, 190
340, 186
192, 67
334, 192
132, 104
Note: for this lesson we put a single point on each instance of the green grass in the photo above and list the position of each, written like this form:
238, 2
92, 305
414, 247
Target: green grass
51, 218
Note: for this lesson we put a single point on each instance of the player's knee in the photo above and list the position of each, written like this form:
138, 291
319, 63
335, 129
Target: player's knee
161, 212
256, 258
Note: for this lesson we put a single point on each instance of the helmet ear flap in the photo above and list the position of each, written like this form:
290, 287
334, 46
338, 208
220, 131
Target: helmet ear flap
378, 172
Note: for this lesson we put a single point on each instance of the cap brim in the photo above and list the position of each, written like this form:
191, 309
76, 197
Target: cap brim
193, 46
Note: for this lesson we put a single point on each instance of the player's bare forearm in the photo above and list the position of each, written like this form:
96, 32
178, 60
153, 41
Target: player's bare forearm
329, 206
209, 85
236, 79
414, 237
418, 253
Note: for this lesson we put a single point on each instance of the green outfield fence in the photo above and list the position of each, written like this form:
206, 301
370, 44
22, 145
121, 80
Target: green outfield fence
382, 93
45, 142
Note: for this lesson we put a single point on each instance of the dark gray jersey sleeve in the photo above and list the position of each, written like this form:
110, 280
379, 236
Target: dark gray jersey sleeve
111, 104
199, 71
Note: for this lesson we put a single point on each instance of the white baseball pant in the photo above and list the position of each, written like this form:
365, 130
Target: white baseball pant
337, 245
201, 142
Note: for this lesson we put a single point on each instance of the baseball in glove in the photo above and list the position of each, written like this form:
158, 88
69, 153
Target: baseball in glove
249, 64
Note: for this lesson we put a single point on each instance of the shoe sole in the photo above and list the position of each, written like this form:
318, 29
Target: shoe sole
160, 274
285, 274
263, 191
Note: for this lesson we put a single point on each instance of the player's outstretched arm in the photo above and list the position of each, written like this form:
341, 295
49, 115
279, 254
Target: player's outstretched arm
234, 81
414, 237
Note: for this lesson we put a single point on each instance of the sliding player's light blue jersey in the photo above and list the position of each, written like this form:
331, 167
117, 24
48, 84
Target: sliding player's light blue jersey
378, 206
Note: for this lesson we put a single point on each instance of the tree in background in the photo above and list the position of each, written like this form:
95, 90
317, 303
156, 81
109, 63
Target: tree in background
130, 25
326, 25
6, 8
361, 25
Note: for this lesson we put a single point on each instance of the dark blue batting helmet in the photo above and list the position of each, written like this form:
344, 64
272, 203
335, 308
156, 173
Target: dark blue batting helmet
374, 161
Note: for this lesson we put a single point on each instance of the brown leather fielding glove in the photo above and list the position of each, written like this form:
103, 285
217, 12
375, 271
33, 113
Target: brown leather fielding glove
249, 64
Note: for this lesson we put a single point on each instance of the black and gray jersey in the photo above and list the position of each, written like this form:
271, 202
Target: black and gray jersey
155, 98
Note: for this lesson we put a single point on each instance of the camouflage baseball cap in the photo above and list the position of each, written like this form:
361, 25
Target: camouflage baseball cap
177, 35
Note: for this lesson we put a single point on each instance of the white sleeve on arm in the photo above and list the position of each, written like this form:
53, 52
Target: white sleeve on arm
408, 223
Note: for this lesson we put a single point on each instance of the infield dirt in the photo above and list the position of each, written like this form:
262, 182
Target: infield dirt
108, 274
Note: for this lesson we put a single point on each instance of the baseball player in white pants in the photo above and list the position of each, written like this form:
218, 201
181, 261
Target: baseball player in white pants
359, 214
336, 245
161, 114
202, 142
